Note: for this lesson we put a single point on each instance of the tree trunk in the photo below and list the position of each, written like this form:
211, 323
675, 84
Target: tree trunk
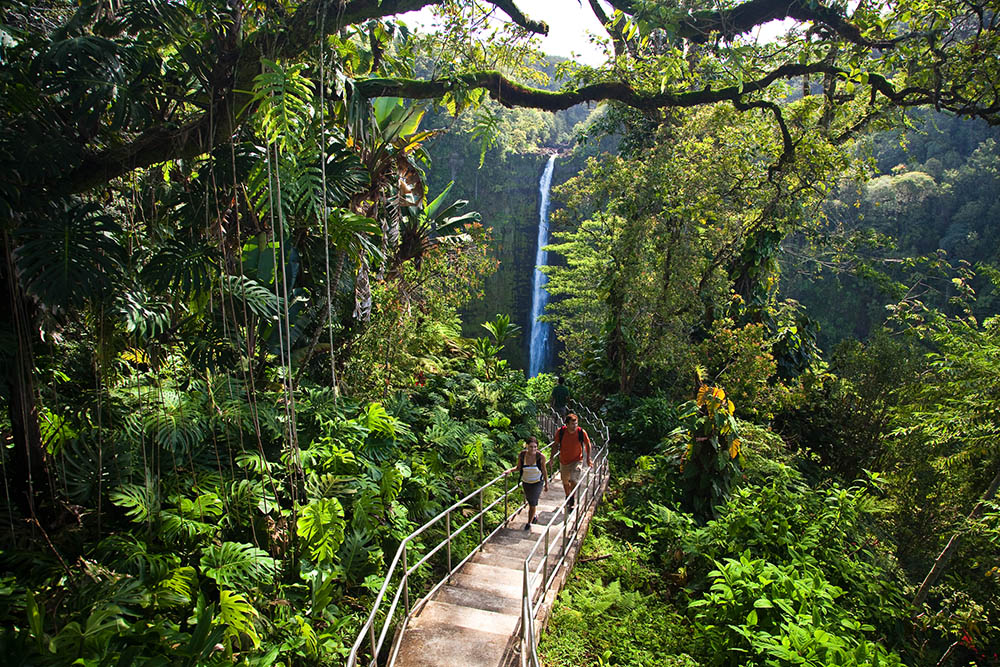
29, 481
942, 560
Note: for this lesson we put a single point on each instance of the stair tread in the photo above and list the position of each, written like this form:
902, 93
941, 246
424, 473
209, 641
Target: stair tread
440, 613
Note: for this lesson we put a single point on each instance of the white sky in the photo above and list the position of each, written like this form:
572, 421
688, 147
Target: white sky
569, 23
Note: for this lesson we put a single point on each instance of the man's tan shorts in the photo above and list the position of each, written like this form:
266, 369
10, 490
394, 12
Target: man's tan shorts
571, 471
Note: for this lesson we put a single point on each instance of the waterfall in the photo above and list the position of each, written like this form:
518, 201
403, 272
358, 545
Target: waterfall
539, 350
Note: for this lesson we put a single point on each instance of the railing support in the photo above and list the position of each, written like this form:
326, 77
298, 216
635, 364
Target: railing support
545, 563
505, 485
447, 527
371, 638
406, 583
481, 516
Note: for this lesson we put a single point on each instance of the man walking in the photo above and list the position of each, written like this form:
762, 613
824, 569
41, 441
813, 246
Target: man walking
559, 397
571, 442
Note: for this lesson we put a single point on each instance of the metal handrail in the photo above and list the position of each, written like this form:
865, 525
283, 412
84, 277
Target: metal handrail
588, 487
367, 630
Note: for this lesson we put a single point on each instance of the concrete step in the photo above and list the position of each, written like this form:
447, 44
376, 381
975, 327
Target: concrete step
438, 612
500, 559
515, 547
517, 532
445, 645
477, 599
506, 589
494, 574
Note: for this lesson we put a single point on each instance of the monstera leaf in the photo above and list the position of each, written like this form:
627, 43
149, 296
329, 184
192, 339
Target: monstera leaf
69, 257
182, 266
321, 527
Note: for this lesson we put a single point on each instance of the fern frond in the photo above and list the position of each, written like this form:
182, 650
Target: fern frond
486, 130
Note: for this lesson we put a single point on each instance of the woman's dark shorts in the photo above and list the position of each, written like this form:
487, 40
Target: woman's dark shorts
532, 492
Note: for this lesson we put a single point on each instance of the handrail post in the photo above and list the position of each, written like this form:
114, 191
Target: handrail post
406, 583
480, 516
505, 484
525, 612
371, 638
545, 564
447, 524
576, 514
565, 538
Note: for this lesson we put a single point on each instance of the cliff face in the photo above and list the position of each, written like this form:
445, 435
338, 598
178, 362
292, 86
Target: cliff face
505, 192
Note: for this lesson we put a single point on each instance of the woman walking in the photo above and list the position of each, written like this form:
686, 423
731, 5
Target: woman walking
534, 476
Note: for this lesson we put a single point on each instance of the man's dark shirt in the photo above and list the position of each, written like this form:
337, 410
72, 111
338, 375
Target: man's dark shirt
560, 394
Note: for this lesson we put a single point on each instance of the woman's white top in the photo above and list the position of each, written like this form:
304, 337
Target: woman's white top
530, 472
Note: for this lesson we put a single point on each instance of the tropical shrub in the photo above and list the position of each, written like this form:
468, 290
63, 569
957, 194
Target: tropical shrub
710, 460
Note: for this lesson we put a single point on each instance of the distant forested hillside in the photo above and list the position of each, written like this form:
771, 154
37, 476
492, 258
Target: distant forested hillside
933, 192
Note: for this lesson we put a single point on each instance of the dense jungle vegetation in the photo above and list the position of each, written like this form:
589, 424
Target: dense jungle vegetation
234, 374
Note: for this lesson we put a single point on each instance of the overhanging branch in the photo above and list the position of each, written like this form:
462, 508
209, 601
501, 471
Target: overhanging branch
728, 23
512, 94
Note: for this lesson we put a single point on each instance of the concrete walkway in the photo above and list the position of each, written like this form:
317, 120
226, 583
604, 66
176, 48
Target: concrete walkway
473, 621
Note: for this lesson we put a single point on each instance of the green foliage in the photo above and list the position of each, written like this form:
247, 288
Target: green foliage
738, 358
321, 527
758, 613
194, 247
656, 244
282, 95
70, 255
611, 613
487, 352
932, 187
237, 615
539, 388
235, 565
786, 572
711, 450
845, 416
181, 267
